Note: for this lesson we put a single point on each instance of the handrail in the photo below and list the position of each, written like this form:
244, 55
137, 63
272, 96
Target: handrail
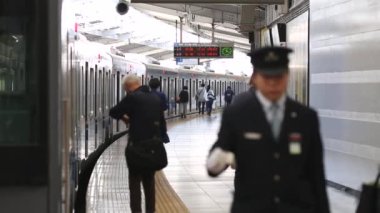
87, 166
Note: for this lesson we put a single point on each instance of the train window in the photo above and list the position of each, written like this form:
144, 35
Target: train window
118, 89
217, 92
96, 91
86, 85
122, 91
100, 90
164, 87
82, 90
91, 93
161, 84
106, 92
24, 93
171, 96
112, 90
193, 93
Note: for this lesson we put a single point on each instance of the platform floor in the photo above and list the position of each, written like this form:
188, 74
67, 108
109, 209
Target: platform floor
191, 140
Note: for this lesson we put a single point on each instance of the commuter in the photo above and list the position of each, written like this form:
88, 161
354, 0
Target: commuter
210, 99
183, 100
143, 110
273, 142
228, 95
154, 84
201, 97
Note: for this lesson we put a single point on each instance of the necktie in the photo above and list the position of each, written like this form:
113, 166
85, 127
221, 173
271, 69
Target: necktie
275, 123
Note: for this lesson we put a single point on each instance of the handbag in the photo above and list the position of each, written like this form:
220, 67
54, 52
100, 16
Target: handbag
147, 155
370, 197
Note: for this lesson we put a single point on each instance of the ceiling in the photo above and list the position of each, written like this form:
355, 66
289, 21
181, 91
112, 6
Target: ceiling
99, 22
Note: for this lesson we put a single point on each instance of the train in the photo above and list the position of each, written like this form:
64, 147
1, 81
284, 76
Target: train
93, 85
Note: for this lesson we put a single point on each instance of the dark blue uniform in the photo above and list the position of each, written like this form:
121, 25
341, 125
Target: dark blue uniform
286, 176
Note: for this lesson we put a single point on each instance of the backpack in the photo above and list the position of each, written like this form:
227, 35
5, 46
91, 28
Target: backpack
210, 95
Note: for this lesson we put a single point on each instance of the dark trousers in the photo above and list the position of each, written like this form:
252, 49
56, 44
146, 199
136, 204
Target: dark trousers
209, 106
147, 179
201, 107
228, 103
163, 130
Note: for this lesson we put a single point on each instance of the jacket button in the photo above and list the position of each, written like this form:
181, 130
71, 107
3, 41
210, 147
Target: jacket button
276, 155
276, 178
276, 200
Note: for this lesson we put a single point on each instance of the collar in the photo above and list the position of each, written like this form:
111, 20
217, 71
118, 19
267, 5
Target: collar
267, 103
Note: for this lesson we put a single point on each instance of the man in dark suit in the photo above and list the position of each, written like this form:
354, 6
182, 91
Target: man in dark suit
273, 142
142, 110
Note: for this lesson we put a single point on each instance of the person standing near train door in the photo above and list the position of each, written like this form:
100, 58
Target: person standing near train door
201, 97
143, 110
228, 95
154, 84
273, 142
183, 100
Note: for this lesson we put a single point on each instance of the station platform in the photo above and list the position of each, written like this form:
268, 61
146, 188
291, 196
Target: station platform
190, 189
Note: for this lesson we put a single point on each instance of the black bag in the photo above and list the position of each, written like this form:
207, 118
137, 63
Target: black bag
370, 198
148, 155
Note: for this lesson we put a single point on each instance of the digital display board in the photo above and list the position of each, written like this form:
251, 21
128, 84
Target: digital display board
203, 50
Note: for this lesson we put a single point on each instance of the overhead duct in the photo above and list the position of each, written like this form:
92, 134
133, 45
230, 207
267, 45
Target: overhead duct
211, 1
247, 19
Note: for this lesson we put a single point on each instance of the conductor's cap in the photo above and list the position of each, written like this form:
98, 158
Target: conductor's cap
270, 60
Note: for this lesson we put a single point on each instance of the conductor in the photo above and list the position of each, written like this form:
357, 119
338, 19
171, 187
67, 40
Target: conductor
273, 142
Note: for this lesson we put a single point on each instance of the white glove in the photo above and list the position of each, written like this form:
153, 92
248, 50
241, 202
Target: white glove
219, 160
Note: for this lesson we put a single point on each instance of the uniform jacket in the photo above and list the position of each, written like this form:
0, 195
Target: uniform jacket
144, 111
274, 177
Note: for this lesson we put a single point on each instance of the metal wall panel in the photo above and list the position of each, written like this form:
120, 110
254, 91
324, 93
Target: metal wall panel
298, 40
344, 67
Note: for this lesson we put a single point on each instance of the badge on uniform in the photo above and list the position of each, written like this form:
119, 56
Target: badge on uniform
295, 140
252, 135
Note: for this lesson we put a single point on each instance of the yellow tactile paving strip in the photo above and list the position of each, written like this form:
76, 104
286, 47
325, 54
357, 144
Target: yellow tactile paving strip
167, 200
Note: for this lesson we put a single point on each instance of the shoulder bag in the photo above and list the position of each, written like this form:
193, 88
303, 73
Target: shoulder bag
146, 155
370, 197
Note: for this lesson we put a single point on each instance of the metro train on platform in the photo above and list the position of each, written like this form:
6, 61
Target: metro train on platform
93, 85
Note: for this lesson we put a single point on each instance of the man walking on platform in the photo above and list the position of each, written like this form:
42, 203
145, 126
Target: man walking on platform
273, 142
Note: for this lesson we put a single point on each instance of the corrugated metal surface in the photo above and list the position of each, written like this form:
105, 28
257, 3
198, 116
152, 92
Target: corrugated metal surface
344, 65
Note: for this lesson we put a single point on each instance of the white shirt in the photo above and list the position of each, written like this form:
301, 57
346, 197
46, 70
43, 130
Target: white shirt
267, 106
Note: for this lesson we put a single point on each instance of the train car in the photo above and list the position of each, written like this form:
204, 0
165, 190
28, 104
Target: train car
93, 86
173, 79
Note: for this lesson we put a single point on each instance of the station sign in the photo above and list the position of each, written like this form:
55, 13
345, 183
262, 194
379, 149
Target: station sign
186, 61
203, 50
